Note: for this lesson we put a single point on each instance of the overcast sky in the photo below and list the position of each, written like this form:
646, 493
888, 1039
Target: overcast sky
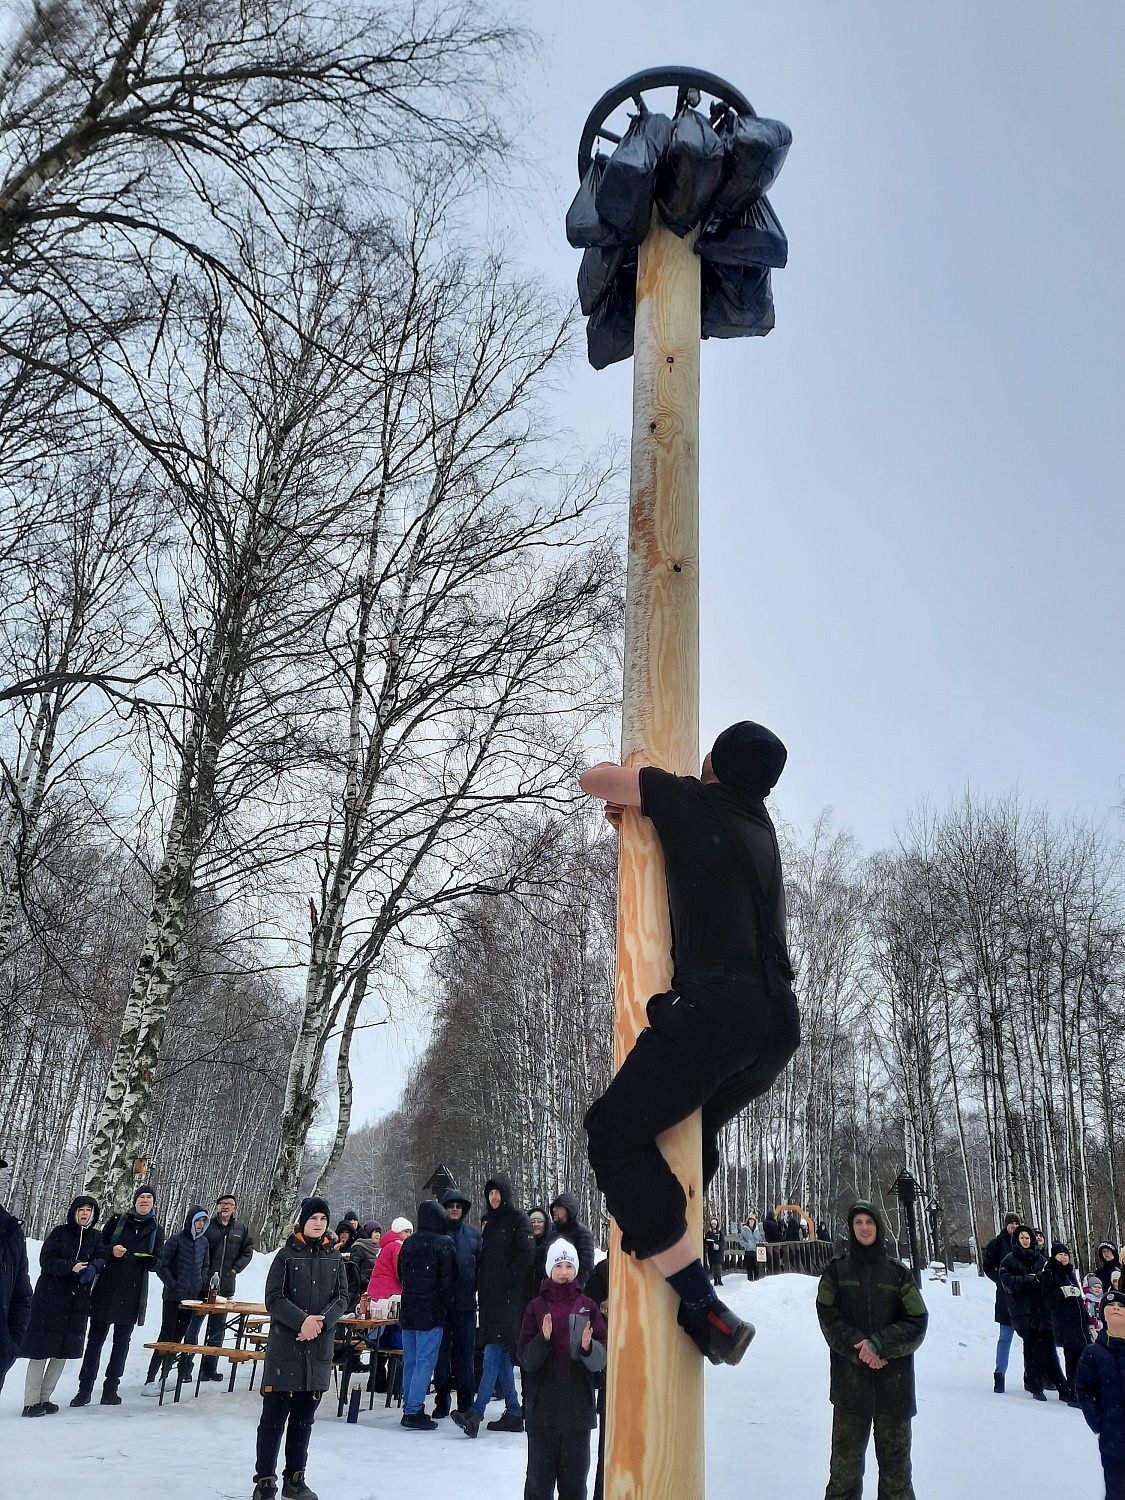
911, 500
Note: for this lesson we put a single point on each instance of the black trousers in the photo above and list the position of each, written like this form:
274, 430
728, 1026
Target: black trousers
712, 1043
177, 1326
455, 1366
216, 1332
559, 1459
1114, 1480
279, 1408
122, 1334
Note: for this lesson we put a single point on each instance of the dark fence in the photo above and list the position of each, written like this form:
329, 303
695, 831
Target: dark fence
803, 1257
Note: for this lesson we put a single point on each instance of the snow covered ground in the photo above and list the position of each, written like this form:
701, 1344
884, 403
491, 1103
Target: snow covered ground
768, 1424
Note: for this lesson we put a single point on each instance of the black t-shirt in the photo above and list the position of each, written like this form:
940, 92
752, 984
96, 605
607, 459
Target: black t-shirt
714, 918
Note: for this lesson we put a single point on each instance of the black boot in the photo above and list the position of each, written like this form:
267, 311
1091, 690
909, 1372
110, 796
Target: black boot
468, 1421
295, 1488
509, 1422
417, 1422
49, 1408
265, 1487
720, 1333
109, 1394
81, 1399
35, 1410
1039, 1395
998, 1382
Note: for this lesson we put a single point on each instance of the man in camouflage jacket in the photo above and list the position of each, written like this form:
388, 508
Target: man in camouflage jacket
873, 1318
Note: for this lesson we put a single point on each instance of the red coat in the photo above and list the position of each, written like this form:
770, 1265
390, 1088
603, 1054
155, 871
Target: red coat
384, 1276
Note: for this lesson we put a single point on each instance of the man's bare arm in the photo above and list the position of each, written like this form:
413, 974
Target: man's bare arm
618, 786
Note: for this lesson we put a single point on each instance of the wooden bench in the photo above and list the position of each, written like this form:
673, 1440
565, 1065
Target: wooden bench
215, 1351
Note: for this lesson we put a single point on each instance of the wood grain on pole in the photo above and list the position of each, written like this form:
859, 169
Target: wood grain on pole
654, 1432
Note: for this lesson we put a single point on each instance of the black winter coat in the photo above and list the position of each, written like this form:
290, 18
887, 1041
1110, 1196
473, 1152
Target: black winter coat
427, 1268
304, 1278
713, 1245
364, 1253
1105, 1268
574, 1231
1066, 1311
1019, 1276
467, 1247
994, 1254
792, 1232
506, 1252
558, 1379
771, 1230
232, 1248
185, 1266
863, 1293
121, 1291
60, 1308
15, 1290
1099, 1384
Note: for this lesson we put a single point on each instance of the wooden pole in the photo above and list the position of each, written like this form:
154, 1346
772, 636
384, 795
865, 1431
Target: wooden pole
654, 1431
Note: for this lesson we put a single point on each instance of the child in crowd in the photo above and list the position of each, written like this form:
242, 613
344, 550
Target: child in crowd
562, 1347
1092, 1293
1100, 1387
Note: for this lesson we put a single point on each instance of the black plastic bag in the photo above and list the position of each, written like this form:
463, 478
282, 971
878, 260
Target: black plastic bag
609, 332
624, 196
756, 151
583, 226
752, 238
597, 272
736, 301
689, 173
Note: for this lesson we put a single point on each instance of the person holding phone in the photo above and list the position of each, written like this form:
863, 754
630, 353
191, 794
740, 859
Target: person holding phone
562, 1348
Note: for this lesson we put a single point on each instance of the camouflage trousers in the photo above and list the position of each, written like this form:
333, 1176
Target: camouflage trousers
850, 1433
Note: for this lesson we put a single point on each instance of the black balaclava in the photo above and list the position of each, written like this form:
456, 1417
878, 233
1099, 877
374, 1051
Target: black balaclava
749, 757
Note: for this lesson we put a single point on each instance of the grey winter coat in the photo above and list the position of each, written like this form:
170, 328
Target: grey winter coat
231, 1247
304, 1278
749, 1238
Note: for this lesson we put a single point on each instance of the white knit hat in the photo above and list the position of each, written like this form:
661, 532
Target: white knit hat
402, 1226
561, 1250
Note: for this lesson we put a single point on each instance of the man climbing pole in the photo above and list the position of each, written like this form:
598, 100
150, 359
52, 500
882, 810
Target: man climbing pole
727, 1027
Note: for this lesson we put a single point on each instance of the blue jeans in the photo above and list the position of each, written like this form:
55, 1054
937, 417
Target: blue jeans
1003, 1348
419, 1356
497, 1366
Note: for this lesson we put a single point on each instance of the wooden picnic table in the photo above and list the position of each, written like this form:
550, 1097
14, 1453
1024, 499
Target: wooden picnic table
349, 1366
236, 1315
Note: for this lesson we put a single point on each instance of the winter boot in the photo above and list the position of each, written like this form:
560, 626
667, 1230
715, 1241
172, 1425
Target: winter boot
265, 1487
998, 1383
81, 1399
441, 1407
109, 1394
295, 1488
1039, 1395
417, 1421
509, 1422
721, 1334
49, 1408
36, 1410
468, 1421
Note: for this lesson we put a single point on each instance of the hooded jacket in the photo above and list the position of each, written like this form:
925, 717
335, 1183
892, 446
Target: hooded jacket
573, 1230
364, 1253
231, 1249
1062, 1298
121, 1290
467, 1248
558, 1377
1106, 1268
304, 1277
60, 1308
384, 1281
771, 1230
506, 1252
15, 1289
1019, 1276
994, 1253
1099, 1385
750, 1237
427, 1269
865, 1294
185, 1266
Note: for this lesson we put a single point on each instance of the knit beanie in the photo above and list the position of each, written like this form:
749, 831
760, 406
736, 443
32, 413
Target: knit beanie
749, 757
372, 1227
310, 1206
1059, 1248
145, 1187
561, 1250
402, 1226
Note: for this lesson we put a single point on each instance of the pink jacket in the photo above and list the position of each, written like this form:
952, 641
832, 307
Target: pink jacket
384, 1275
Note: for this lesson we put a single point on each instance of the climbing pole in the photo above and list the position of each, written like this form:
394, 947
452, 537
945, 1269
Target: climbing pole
639, 215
